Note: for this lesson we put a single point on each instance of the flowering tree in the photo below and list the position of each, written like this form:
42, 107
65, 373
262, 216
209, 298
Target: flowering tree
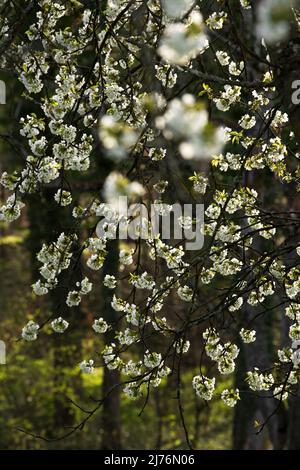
164, 102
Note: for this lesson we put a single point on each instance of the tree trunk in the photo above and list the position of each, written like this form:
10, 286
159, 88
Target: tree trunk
111, 411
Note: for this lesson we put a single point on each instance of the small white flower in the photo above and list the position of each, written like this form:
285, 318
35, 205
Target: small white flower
63, 198
185, 222
182, 346
245, 4
73, 299
182, 42
259, 381
110, 281
85, 286
118, 304
87, 366
126, 257
176, 8
273, 19
204, 386
236, 305
39, 288
247, 122
216, 20
133, 391
280, 392
294, 332
187, 121
116, 136
200, 182
230, 397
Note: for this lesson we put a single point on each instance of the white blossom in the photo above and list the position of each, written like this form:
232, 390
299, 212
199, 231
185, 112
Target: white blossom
110, 281
182, 42
204, 386
230, 397
176, 8
100, 325
248, 336
272, 22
